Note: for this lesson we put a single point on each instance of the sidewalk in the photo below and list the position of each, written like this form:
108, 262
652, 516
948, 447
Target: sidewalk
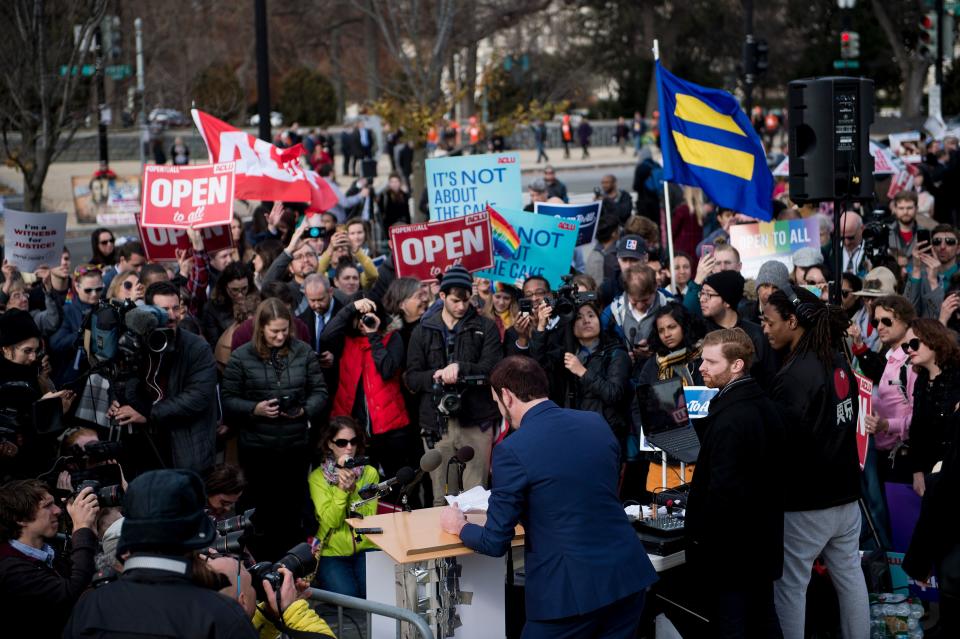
57, 194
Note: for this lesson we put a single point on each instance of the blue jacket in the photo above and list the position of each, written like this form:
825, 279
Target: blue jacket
557, 475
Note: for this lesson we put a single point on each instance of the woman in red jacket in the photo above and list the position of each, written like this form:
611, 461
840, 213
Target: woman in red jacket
370, 361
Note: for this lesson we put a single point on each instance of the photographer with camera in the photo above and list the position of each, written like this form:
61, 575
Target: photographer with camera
295, 613
168, 414
165, 587
272, 389
38, 588
444, 348
931, 268
370, 358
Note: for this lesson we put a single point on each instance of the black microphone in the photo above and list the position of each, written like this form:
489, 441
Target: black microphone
353, 462
404, 476
463, 455
145, 319
430, 461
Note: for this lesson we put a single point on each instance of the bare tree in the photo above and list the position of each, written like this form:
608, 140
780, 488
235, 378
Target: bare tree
912, 65
43, 46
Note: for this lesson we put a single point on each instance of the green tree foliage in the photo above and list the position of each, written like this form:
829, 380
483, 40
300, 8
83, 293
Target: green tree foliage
217, 91
307, 96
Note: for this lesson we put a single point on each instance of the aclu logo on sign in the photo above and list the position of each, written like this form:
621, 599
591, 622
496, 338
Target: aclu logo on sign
698, 400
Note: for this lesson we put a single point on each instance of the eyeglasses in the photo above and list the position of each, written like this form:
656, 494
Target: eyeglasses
886, 321
95, 289
234, 290
343, 443
708, 294
949, 241
912, 345
104, 242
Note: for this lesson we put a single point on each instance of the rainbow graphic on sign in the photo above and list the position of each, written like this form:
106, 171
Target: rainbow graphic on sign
506, 242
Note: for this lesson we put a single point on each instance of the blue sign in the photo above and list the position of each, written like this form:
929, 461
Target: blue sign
586, 214
463, 185
698, 400
526, 244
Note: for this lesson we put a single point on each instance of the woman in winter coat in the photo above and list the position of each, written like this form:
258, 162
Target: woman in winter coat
370, 357
233, 285
593, 371
333, 489
272, 388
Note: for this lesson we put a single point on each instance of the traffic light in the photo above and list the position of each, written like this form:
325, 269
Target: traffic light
849, 45
762, 50
929, 32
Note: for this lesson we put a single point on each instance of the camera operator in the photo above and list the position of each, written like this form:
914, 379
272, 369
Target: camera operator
295, 612
931, 268
171, 409
445, 346
164, 586
536, 300
38, 588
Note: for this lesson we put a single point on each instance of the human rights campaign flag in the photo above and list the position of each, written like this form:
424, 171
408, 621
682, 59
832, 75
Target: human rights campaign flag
707, 141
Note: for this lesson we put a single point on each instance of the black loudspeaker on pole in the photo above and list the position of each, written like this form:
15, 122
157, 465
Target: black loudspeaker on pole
829, 120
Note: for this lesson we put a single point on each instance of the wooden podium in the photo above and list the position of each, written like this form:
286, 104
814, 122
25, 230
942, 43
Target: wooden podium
423, 569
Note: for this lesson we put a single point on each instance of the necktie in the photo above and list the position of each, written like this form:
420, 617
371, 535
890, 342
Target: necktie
319, 330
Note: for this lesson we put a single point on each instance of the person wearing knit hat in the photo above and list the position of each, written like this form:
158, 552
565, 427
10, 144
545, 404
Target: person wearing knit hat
773, 276
456, 277
719, 298
17, 326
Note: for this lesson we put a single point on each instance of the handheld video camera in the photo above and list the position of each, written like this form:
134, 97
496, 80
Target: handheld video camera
876, 234
448, 398
299, 560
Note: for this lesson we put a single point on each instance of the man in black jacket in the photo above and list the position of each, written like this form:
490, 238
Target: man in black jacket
171, 409
817, 397
37, 588
741, 439
448, 345
163, 591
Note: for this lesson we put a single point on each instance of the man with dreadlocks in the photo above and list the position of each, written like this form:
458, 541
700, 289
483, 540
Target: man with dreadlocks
817, 397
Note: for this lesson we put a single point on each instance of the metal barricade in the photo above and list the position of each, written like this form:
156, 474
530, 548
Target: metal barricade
370, 608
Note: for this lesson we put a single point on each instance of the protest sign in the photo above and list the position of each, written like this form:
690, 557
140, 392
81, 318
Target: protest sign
426, 251
463, 185
907, 145
527, 244
698, 400
865, 387
765, 241
32, 240
586, 214
188, 196
107, 201
161, 243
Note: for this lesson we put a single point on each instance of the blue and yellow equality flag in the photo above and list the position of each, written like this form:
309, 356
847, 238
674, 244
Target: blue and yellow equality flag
707, 141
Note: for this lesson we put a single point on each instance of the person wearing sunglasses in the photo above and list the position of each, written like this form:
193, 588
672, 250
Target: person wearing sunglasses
334, 489
932, 350
894, 381
64, 344
125, 286
931, 268
103, 248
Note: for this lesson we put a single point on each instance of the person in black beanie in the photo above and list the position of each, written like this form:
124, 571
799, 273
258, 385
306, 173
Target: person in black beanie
719, 298
164, 586
453, 341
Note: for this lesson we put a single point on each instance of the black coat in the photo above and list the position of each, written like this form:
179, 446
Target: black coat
737, 470
476, 347
249, 379
933, 427
621, 206
36, 599
820, 463
394, 210
604, 388
215, 319
156, 603
934, 538
187, 415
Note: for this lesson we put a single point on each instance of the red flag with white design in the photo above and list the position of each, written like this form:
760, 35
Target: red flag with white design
263, 171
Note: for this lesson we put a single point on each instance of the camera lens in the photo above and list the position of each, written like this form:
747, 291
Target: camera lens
369, 321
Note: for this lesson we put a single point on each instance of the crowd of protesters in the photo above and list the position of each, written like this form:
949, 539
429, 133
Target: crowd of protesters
296, 370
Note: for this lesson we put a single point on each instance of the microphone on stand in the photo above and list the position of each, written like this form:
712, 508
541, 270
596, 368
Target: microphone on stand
404, 476
429, 462
463, 455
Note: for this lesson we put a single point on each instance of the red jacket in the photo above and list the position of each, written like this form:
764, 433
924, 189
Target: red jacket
385, 403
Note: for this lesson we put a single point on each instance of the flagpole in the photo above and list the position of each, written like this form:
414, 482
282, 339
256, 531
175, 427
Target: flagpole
668, 212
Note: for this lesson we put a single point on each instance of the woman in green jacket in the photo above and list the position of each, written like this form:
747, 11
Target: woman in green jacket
333, 490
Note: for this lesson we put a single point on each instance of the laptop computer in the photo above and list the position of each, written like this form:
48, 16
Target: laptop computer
665, 420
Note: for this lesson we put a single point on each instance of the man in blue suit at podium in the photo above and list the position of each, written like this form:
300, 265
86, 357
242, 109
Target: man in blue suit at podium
586, 571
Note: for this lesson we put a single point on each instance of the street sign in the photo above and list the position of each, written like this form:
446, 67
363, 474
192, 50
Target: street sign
846, 64
114, 71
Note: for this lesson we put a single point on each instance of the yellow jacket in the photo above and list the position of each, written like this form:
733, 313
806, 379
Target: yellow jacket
368, 272
298, 616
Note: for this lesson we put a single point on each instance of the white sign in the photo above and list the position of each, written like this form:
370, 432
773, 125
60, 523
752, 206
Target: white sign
33, 240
